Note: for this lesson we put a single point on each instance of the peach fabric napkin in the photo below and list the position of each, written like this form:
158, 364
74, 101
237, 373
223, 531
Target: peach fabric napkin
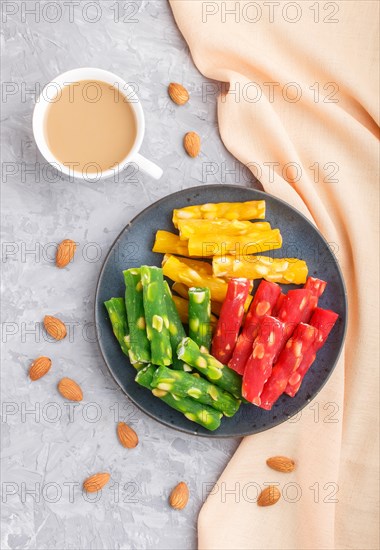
303, 89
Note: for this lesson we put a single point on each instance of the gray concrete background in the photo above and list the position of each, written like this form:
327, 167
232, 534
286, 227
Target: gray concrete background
50, 447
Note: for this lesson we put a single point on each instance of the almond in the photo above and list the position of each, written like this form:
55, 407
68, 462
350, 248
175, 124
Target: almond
65, 253
269, 496
127, 437
281, 464
55, 327
96, 482
39, 368
178, 93
179, 496
70, 389
192, 144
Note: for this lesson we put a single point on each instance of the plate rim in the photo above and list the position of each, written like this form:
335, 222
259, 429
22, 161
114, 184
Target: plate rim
97, 328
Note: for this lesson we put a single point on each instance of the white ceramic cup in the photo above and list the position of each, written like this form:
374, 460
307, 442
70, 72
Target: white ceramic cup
50, 93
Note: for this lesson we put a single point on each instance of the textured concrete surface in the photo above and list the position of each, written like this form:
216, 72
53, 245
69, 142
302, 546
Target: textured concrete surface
49, 446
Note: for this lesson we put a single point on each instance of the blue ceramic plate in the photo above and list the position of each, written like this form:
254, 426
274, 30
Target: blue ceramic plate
133, 247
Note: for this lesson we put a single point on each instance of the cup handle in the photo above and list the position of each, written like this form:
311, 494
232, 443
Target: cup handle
148, 167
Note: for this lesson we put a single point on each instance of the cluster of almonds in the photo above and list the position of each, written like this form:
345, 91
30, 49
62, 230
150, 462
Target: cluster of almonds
179, 497
57, 330
270, 495
70, 390
191, 141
